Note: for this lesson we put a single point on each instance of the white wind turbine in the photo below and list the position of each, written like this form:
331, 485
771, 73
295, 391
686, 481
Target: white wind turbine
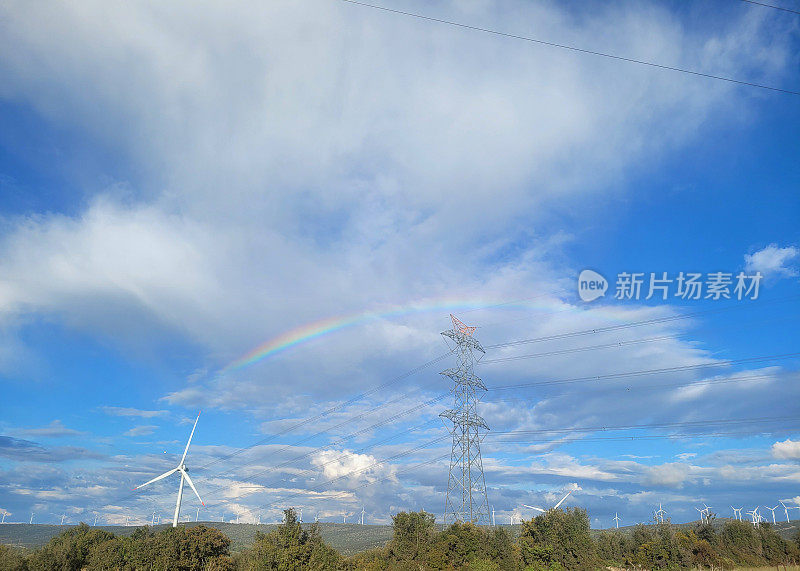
785, 510
184, 477
616, 519
702, 514
773, 513
561, 501
660, 513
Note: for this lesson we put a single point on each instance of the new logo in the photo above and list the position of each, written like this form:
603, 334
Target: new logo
591, 285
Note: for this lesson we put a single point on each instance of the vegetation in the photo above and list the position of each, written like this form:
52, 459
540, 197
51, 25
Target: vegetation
556, 540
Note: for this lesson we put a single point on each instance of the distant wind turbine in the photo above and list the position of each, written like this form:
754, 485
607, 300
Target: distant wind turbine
773, 513
785, 510
184, 478
561, 501
660, 513
616, 519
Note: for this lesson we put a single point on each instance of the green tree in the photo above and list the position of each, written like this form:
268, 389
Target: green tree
558, 536
290, 547
69, 550
11, 559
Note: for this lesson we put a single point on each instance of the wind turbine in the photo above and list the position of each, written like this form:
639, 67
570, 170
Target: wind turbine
785, 510
561, 501
702, 514
4, 518
62, 518
362, 515
493, 524
31, 518
184, 477
756, 517
616, 519
660, 513
773, 513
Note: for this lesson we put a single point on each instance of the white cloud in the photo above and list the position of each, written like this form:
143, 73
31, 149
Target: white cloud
134, 412
673, 475
788, 449
55, 429
332, 162
350, 466
143, 430
773, 261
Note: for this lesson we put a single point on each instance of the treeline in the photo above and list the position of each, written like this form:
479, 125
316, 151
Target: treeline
556, 540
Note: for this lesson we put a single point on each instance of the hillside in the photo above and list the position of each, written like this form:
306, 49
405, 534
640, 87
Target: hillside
345, 538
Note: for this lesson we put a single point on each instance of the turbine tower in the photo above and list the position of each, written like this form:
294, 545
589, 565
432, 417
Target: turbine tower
466, 499
616, 519
785, 510
773, 512
184, 478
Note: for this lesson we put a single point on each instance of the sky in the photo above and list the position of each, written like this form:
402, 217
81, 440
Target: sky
268, 212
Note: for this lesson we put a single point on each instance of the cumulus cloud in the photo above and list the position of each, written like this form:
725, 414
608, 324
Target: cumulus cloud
788, 449
672, 475
350, 466
773, 261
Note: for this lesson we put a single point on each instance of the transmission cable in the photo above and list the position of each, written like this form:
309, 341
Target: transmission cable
571, 48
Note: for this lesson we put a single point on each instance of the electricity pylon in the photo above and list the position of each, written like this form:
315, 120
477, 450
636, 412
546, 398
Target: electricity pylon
466, 488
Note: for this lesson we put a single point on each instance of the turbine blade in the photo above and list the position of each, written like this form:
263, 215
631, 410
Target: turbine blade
190, 440
564, 498
533, 508
157, 478
191, 485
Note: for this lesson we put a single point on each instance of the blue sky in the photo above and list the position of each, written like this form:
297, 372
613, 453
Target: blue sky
178, 187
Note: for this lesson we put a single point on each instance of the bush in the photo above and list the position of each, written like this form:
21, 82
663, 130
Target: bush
290, 547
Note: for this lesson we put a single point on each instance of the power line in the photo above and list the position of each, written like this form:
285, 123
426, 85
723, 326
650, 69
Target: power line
571, 48
781, 8
632, 324
654, 425
648, 371
665, 385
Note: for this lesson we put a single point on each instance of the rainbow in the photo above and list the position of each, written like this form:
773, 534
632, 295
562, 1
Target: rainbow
316, 329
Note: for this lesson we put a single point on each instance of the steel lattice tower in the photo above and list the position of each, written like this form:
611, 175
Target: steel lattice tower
466, 488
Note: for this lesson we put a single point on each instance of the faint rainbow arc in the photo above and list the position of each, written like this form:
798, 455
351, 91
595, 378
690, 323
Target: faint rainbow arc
319, 328
316, 329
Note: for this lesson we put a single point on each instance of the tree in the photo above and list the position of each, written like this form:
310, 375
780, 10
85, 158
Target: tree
290, 547
558, 536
